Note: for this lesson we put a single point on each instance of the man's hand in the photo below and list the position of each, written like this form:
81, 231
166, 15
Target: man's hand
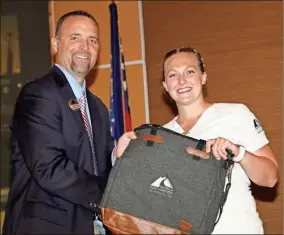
219, 146
123, 142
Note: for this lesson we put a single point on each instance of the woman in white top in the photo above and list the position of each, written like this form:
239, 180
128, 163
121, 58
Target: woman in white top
223, 126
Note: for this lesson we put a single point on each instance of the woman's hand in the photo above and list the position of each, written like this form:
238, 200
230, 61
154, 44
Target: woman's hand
218, 147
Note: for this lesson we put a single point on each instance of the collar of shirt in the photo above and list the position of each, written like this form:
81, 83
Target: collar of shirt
75, 85
175, 126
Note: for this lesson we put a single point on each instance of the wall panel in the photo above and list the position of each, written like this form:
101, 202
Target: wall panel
241, 43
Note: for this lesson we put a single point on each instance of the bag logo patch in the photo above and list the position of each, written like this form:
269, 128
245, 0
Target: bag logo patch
162, 186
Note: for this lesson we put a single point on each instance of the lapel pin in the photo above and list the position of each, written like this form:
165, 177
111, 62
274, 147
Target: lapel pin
74, 105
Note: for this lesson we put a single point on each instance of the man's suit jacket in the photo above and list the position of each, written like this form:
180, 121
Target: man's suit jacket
54, 190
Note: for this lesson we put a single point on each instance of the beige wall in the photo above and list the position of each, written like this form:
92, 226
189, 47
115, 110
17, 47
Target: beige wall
241, 43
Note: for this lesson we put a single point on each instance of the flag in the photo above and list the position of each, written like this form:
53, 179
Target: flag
126, 107
120, 120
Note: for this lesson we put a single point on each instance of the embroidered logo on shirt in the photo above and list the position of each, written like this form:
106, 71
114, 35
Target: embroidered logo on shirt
257, 126
162, 186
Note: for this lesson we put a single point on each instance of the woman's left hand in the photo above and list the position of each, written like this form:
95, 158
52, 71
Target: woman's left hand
218, 147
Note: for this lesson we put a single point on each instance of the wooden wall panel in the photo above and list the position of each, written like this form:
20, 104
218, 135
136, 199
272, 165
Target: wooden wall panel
136, 95
129, 26
98, 82
100, 85
241, 43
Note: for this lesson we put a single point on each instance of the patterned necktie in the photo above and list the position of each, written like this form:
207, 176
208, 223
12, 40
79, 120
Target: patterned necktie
82, 101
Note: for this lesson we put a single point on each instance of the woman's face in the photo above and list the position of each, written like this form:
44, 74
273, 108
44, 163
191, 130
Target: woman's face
183, 78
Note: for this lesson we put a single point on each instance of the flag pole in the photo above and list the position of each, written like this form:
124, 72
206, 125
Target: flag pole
116, 108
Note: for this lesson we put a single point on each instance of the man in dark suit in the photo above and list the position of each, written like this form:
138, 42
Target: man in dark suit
61, 141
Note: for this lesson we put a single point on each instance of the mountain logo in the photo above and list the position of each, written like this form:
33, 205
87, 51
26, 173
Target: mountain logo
257, 126
162, 186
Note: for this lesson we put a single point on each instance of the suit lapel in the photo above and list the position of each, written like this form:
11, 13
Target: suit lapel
67, 94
